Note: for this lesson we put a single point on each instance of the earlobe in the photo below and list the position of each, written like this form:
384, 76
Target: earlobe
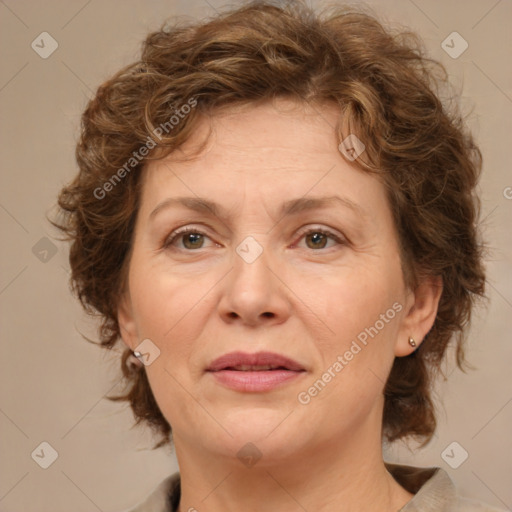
420, 316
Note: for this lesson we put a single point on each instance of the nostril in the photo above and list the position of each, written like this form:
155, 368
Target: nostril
268, 314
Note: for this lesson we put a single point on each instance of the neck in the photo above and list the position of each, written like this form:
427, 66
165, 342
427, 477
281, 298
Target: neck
344, 477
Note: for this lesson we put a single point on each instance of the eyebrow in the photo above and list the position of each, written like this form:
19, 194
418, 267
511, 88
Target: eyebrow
291, 207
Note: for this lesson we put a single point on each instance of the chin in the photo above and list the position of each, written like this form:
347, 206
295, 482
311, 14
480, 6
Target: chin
268, 431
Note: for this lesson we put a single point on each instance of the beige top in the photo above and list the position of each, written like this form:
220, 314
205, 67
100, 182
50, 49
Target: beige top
433, 491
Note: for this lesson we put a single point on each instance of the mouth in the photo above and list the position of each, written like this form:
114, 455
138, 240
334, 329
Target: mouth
260, 361
258, 372
254, 368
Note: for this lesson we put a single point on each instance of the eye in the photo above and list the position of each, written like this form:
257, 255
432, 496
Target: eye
318, 238
191, 238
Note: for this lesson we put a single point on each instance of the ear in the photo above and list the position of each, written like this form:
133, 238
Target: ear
126, 321
420, 314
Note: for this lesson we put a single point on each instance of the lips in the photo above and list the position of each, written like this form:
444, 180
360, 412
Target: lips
261, 361
259, 372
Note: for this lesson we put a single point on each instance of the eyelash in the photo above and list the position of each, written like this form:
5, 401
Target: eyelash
176, 234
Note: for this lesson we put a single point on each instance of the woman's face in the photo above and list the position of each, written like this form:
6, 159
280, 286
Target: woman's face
295, 254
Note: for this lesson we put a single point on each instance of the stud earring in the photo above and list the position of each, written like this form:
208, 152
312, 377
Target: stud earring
412, 342
134, 361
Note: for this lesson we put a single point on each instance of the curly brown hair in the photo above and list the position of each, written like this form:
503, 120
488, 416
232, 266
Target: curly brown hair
388, 92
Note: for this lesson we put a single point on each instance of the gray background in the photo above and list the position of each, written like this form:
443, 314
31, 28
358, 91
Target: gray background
53, 382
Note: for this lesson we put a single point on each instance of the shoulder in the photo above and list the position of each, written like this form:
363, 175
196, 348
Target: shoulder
467, 505
434, 491
164, 498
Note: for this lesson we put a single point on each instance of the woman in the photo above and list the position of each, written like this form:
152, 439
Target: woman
276, 215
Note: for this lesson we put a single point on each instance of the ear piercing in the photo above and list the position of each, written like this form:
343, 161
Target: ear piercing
134, 361
412, 342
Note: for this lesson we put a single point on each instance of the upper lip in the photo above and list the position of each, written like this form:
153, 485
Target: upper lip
258, 359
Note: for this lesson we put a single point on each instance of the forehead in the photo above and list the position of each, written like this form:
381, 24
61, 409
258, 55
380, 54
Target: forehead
272, 152
263, 132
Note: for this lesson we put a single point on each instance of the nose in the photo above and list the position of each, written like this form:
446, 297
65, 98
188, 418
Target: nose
254, 293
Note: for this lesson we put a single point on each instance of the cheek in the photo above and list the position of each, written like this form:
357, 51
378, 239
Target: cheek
172, 309
163, 300
363, 309
355, 361
360, 299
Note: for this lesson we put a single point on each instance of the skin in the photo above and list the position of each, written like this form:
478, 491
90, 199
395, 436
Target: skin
305, 297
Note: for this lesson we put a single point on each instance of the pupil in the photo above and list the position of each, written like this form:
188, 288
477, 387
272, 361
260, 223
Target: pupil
318, 237
192, 238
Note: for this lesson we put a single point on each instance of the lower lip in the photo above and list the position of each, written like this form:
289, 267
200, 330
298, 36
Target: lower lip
254, 381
